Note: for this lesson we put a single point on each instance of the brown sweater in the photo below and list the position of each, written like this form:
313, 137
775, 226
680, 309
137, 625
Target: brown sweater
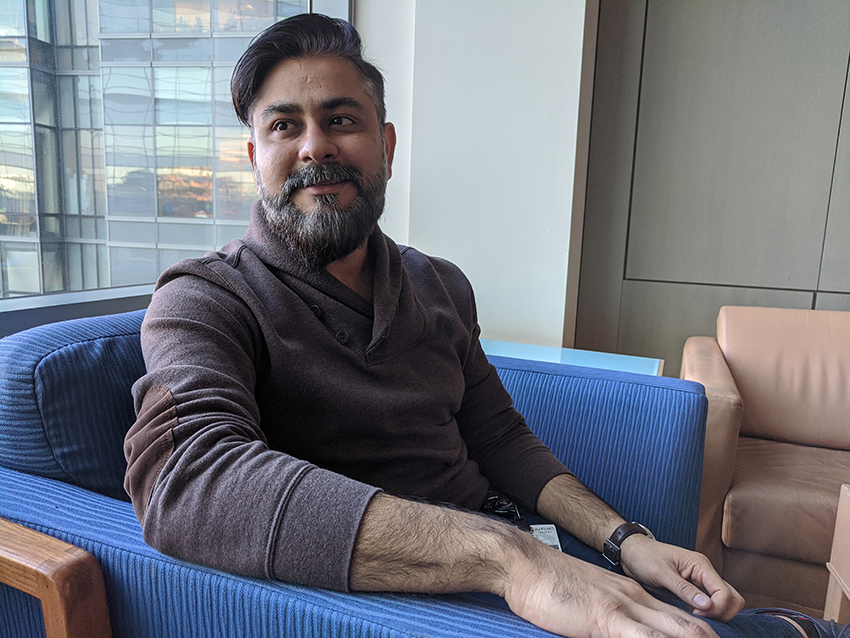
278, 402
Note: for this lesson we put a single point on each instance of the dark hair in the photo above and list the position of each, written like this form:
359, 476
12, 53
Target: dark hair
299, 36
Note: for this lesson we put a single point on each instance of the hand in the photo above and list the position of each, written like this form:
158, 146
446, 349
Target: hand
569, 597
687, 574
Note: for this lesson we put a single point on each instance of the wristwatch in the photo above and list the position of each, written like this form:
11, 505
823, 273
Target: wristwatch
611, 548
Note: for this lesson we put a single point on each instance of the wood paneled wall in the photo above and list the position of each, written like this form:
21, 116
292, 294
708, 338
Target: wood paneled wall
719, 170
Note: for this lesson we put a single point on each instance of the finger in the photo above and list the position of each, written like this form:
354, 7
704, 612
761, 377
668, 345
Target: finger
724, 600
672, 621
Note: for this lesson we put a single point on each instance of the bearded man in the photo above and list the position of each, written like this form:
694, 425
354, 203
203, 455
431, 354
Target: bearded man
312, 388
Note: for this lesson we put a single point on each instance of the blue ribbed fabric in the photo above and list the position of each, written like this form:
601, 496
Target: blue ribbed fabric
152, 596
635, 440
66, 399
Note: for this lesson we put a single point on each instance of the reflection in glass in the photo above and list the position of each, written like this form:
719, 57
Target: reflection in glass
183, 95
17, 181
80, 101
131, 191
84, 172
129, 146
127, 96
132, 266
125, 16
47, 172
183, 146
182, 50
44, 97
286, 8
13, 50
14, 95
13, 17
224, 113
229, 49
186, 234
239, 15
19, 269
234, 181
76, 22
181, 16
39, 20
125, 50
184, 192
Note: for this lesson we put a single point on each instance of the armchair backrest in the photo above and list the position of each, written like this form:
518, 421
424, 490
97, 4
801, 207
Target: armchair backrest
66, 402
792, 369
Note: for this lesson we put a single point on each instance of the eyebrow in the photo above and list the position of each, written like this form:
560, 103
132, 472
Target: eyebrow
329, 104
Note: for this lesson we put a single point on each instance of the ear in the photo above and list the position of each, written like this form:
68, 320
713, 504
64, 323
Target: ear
389, 145
251, 150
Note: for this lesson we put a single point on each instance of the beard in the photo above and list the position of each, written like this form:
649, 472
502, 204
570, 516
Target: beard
328, 231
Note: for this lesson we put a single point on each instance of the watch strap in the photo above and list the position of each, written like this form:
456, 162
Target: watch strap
611, 548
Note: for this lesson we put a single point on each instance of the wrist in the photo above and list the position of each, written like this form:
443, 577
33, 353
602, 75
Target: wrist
612, 547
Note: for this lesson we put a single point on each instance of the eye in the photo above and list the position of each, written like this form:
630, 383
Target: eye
341, 120
280, 125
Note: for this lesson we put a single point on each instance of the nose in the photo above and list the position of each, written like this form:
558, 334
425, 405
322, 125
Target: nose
317, 146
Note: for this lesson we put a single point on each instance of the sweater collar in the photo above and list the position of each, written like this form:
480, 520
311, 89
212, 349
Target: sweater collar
389, 280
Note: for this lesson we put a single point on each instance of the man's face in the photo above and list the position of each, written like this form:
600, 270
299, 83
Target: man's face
320, 157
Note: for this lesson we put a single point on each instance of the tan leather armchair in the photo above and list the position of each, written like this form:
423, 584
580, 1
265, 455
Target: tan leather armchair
777, 448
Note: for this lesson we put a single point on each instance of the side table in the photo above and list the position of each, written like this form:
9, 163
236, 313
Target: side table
837, 605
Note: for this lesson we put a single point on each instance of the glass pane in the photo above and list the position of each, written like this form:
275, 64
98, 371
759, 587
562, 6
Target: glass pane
14, 96
39, 20
169, 256
229, 49
91, 271
183, 96
129, 146
127, 96
17, 179
238, 15
84, 23
182, 50
125, 16
52, 272
181, 16
225, 233
132, 232
234, 181
74, 260
72, 173
184, 192
286, 8
183, 146
44, 98
131, 191
132, 266
47, 171
224, 113
13, 17
188, 234
135, 50
13, 50
20, 269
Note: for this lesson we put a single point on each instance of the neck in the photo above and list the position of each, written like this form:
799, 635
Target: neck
355, 271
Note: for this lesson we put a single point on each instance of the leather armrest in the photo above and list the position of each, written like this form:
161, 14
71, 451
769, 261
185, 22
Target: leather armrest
66, 579
703, 362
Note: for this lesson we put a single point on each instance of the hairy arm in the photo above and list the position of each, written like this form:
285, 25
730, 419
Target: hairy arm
571, 505
415, 547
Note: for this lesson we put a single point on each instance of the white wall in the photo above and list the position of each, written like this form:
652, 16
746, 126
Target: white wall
485, 97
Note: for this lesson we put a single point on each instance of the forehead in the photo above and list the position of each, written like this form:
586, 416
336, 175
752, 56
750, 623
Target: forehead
307, 81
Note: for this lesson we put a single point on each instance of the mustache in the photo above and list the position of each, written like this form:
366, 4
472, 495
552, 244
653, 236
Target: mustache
321, 174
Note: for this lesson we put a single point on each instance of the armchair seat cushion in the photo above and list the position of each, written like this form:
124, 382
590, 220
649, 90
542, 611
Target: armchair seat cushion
783, 499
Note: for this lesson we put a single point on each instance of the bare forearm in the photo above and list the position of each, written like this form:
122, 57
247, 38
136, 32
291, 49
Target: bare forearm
568, 503
416, 547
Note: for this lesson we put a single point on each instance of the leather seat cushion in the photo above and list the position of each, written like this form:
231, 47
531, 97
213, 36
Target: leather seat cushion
784, 499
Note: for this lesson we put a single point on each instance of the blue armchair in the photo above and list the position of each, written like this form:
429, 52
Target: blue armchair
65, 406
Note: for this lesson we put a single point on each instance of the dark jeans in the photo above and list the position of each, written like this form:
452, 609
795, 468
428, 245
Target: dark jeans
747, 624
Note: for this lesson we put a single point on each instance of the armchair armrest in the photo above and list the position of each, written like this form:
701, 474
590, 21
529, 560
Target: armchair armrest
66, 579
703, 362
